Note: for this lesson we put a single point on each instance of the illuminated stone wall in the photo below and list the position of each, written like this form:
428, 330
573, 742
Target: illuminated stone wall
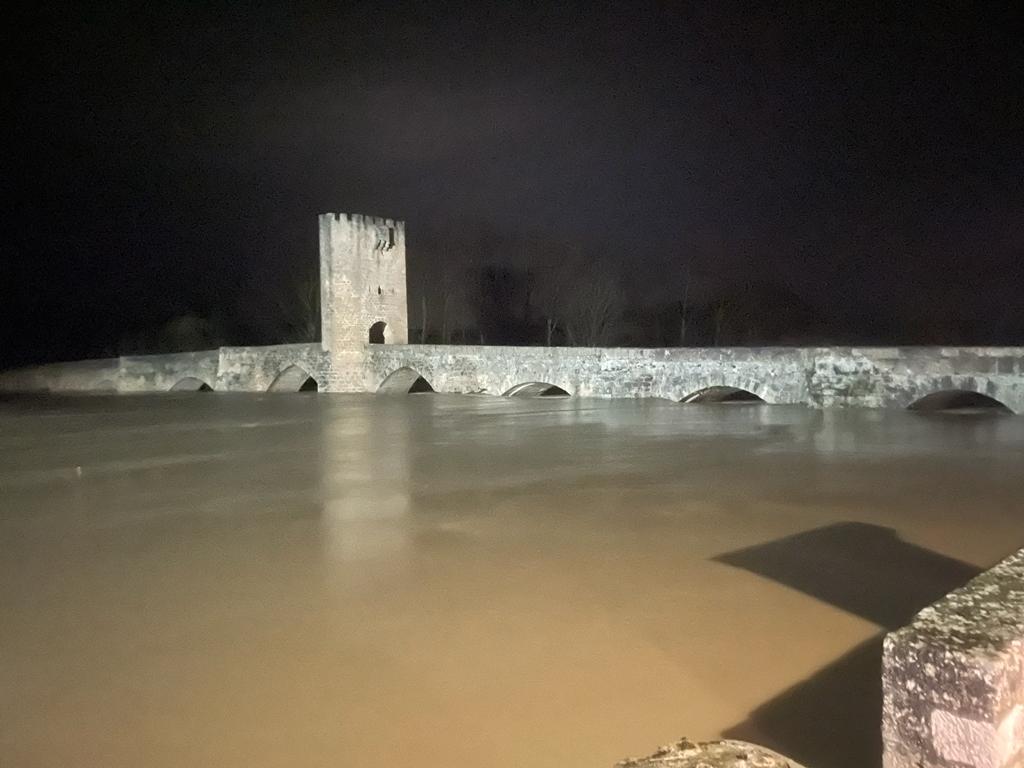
953, 679
817, 377
362, 280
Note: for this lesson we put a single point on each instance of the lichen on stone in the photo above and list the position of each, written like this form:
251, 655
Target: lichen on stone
711, 754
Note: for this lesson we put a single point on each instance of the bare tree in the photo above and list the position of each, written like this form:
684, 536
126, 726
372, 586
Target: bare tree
298, 307
443, 296
684, 306
549, 297
423, 318
594, 303
553, 288
721, 312
452, 296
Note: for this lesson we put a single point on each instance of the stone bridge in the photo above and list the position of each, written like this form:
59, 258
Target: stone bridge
814, 376
364, 331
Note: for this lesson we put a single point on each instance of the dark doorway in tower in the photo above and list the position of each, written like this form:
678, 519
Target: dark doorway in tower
377, 332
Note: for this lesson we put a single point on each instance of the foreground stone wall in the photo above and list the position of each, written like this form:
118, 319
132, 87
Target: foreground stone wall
952, 686
820, 377
711, 754
953, 680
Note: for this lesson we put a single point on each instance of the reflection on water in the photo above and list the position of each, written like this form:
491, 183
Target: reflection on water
439, 580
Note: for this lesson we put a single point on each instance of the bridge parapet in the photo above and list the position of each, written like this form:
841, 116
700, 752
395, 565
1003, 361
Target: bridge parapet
161, 373
896, 377
82, 376
254, 369
873, 377
777, 374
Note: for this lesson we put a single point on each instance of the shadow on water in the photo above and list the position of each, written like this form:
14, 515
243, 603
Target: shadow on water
832, 719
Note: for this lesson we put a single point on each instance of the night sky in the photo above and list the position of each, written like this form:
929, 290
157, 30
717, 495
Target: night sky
164, 160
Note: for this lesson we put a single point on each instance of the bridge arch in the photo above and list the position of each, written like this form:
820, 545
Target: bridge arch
294, 378
377, 332
536, 389
722, 394
191, 384
958, 399
405, 380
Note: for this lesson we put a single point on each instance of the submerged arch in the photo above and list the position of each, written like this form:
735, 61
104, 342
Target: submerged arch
404, 381
536, 389
722, 394
958, 399
191, 384
294, 378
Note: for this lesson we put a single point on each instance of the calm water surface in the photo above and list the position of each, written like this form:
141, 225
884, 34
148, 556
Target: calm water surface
445, 580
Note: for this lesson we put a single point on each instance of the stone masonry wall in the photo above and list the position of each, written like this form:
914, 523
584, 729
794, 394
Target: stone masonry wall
818, 377
82, 376
881, 377
255, 369
775, 374
159, 373
362, 280
953, 680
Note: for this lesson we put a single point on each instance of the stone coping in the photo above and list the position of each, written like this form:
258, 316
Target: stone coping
953, 679
710, 754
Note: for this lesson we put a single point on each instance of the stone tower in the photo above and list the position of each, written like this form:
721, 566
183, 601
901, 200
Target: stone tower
362, 282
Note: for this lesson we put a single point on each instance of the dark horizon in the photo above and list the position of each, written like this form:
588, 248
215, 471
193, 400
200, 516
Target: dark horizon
864, 166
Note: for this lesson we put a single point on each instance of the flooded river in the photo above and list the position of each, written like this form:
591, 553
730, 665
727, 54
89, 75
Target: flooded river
445, 580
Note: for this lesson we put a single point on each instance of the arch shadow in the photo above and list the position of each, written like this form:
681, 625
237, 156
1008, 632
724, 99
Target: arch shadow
722, 394
404, 381
536, 389
191, 384
294, 378
961, 400
864, 570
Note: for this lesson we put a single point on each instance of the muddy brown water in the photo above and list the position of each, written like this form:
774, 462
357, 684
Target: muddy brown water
445, 580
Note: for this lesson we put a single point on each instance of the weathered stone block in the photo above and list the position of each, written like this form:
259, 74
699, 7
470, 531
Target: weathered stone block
711, 754
953, 679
